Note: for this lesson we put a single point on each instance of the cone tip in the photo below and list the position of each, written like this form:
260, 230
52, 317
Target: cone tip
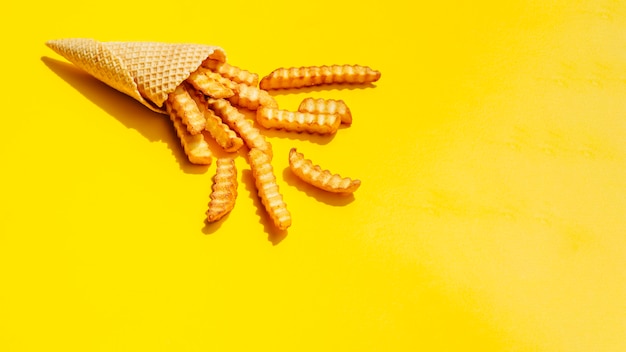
51, 43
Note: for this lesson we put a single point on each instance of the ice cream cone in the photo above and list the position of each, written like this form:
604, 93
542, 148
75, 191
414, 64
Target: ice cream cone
146, 71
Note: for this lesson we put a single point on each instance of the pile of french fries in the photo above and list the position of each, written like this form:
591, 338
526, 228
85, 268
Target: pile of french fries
207, 105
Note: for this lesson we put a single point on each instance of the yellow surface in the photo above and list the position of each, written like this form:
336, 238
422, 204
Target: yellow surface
491, 215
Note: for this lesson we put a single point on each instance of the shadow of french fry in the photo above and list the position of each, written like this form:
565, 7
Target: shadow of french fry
315, 138
321, 88
212, 227
334, 199
274, 235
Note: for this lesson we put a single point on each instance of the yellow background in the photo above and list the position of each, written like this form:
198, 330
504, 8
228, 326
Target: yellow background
491, 214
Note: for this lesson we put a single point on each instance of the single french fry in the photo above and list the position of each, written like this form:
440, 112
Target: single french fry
267, 188
306, 76
194, 145
185, 107
223, 190
251, 136
209, 85
316, 176
327, 106
231, 72
297, 121
219, 131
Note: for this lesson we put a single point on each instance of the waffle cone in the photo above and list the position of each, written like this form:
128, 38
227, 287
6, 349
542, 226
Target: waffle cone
146, 71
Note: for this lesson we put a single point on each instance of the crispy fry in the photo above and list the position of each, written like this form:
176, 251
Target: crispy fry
221, 133
327, 106
230, 84
244, 96
223, 190
297, 77
316, 176
267, 188
297, 121
208, 85
231, 72
186, 109
251, 136
194, 146
251, 97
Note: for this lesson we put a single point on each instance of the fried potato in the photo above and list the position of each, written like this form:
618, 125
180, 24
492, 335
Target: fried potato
186, 109
194, 145
327, 106
297, 121
223, 190
306, 76
208, 85
231, 72
230, 84
316, 176
251, 98
267, 188
244, 95
219, 131
251, 136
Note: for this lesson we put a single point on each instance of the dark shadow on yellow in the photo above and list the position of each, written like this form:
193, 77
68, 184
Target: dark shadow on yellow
334, 199
274, 235
298, 136
212, 227
320, 88
153, 126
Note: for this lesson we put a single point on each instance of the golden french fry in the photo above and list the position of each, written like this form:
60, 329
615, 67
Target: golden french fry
231, 72
209, 85
306, 76
185, 107
194, 145
244, 96
223, 190
251, 98
267, 188
214, 76
219, 131
222, 134
297, 121
251, 136
316, 176
327, 106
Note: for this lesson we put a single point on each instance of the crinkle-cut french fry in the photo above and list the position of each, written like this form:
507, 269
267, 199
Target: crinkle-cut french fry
231, 72
306, 76
327, 106
185, 107
251, 97
316, 176
297, 121
245, 96
209, 85
194, 145
267, 188
223, 190
230, 84
251, 136
221, 133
